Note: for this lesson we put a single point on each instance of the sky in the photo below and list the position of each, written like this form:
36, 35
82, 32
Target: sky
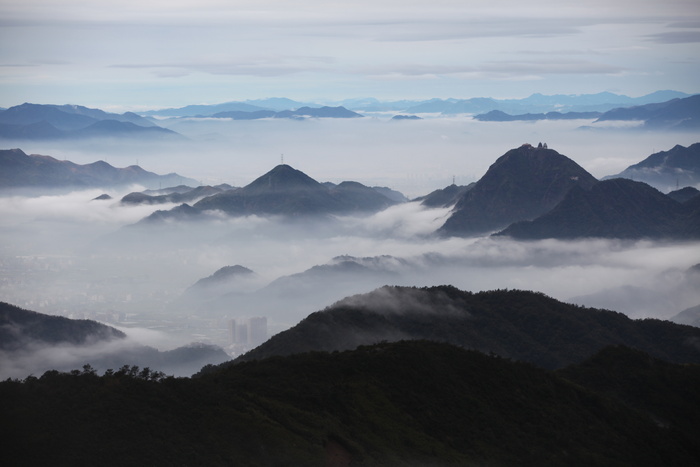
136, 55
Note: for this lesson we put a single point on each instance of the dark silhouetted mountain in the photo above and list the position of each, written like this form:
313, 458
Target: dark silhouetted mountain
103, 197
36, 121
189, 196
675, 114
684, 194
616, 208
514, 324
522, 184
19, 327
444, 197
290, 192
666, 170
498, 116
396, 404
18, 169
667, 392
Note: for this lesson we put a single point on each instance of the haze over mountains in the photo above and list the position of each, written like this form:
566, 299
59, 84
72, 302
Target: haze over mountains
566, 311
37, 172
47, 122
535, 103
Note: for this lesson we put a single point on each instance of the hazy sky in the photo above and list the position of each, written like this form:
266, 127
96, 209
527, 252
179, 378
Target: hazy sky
131, 55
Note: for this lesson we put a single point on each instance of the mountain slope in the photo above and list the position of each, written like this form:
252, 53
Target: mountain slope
616, 208
31, 343
514, 324
666, 170
18, 169
290, 192
408, 403
522, 184
675, 114
38, 122
18, 327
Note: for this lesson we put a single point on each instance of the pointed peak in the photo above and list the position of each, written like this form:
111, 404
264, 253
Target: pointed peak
283, 178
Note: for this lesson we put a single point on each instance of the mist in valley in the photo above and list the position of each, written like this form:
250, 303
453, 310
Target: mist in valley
71, 255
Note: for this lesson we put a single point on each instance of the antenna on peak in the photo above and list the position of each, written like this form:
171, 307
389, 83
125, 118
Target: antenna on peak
453, 179
282, 159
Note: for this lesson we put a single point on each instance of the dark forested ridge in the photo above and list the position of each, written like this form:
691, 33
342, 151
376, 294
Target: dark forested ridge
400, 404
515, 324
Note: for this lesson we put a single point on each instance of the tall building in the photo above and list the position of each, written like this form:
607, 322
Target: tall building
252, 331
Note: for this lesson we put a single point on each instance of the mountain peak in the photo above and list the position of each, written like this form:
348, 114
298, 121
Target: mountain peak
282, 178
522, 184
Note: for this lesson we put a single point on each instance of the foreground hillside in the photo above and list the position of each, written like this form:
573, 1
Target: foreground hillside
515, 324
408, 403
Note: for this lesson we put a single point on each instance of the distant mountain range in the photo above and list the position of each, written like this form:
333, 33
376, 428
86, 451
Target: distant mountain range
29, 342
536, 103
676, 114
288, 192
46, 122
513, 324
679, 114
667, 170
300, 113
19, 170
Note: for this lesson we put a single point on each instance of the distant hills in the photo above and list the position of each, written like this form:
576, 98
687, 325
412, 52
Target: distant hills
536, 103
46, 122
300, 113
522, 184
514, 324
678, 114
667, 170
179, 194
288, 192
675, 114
33, 342
18, 170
